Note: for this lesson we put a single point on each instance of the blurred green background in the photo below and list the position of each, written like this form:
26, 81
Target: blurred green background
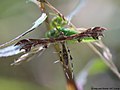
16, 16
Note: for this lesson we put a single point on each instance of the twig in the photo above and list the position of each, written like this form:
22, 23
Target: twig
109, 63
114, 69
71, 85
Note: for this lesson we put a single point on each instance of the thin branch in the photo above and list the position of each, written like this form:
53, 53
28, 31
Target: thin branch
59, 13
109, 63
114, 69
71, 85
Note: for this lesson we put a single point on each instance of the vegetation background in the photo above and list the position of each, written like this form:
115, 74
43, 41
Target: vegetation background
16, 16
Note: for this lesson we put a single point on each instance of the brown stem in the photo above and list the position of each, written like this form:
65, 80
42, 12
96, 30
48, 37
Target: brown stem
55, 10
70, 82
59, 13
44, 11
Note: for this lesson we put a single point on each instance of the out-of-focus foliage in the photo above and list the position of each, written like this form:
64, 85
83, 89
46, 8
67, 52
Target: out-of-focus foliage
13, 84
98, 67
16, 16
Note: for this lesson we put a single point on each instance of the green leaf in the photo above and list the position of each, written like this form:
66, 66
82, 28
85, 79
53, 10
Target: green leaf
98, 67
13, 84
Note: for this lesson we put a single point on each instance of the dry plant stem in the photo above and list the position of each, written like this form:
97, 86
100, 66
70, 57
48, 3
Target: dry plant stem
44, 11
89, 44
59, 13
70, 81
110, 65
71, 85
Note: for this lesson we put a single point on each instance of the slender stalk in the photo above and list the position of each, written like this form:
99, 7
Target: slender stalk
44, 11
71, 85
107, 62
90, 45
59, 13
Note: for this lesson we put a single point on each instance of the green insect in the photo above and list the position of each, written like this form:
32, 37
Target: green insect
59, 33
57, 28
